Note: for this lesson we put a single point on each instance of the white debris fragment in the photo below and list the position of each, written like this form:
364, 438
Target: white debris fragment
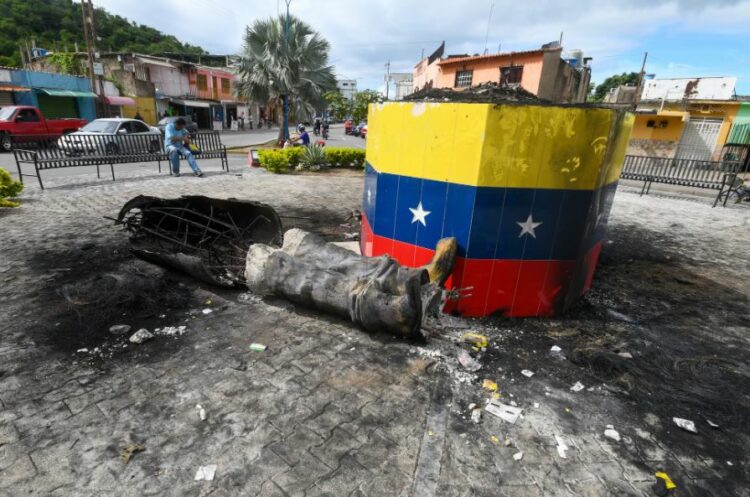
711, 424
536, 405
472, 406
119, 329
561, 447
518, 456
577, 387
201, 412
468, 362
476, 416
207, 311
141, 336
503, 411
513, 403
555, 349
205, 472
82, 351
527, 373
172, 330
730, 463
685, 424
610, 432
625, 355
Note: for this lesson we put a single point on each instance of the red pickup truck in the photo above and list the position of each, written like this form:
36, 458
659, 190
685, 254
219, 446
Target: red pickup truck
21, 120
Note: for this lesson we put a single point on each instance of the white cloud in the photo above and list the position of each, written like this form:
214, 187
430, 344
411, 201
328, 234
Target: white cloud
364, 35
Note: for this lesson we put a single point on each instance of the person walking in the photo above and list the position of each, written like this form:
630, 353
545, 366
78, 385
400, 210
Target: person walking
176, 142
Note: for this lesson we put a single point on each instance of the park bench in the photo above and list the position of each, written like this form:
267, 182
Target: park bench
712, 175
104, 149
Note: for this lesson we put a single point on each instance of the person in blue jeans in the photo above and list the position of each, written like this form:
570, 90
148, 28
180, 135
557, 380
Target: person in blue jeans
176, 141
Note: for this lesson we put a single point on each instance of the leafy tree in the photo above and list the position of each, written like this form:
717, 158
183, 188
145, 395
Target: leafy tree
274, 64
57, 25
338, 105
613, 82
362, 100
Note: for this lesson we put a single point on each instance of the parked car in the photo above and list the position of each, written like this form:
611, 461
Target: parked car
87, 141
21, 120
189, 124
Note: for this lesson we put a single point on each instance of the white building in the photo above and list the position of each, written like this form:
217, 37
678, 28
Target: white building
403, 83
347, 87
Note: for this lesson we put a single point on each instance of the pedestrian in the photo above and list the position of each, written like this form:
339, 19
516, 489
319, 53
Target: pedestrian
177, 140
242, 121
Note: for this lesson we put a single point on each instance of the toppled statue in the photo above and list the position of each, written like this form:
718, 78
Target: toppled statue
376, 293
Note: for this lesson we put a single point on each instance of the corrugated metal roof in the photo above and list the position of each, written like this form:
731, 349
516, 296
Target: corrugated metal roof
472, 58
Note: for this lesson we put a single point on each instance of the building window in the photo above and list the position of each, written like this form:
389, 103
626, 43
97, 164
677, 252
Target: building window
226, 85
463, 78
511, 75
202, 82
650, 123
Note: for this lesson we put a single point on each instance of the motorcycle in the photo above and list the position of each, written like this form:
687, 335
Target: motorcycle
325, 132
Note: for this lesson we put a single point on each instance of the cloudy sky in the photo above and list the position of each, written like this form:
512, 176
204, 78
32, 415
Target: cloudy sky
682, 37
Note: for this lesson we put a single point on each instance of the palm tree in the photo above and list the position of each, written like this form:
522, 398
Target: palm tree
274, 64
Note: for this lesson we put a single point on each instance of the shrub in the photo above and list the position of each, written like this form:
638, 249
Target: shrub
275, 161
9, 189
313, 158
294, 155
345, 157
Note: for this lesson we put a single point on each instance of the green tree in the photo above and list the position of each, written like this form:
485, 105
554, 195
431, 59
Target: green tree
273, 64
613, 82
362, 100
338, 105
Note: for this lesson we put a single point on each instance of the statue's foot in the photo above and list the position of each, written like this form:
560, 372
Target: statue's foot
441, 265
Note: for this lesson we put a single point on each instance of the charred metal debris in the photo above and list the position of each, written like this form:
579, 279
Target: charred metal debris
204, 237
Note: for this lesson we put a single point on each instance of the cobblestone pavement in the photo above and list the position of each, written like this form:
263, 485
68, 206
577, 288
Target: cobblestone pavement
326, 409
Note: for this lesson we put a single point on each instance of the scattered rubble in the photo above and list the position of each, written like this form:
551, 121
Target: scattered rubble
476, 340
476, 415
610, 432
171, 331
663, 485
206, 473
518, 456
527, 373
119, 329
257, 347
489, 385
129, 450
505, 412
685, 424
577, 387
141, 336
468, 362
201, 412
562, 448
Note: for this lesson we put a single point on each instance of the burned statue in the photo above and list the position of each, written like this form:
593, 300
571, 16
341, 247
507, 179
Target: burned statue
376, 293
205, 237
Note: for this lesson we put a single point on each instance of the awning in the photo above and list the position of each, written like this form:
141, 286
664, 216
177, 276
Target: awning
740, 135
66, 93
155, 62
13, 88
120, 101
192, 103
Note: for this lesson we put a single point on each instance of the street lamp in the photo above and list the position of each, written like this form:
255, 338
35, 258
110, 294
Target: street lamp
286, 96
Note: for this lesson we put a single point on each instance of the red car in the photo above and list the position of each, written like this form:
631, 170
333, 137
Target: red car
20, 120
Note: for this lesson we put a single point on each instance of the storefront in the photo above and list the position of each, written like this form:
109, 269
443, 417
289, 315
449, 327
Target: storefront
61, 103
116, 105
6, 94
198, 110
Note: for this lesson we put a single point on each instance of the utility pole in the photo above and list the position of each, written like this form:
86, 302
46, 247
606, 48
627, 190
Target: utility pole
387, 78
92, 32
286, 97
487, 35
639, 86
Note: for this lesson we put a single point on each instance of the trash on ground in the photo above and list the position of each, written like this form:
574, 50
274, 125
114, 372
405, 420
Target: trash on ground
730, 463
518, 456
625, 355
556, 352
489, 385
171, 330
257, 347
685, 424
711, 424
476, 415
504, 411
555, 349
141, 336
577, 387
207, 311
129, 450
561, 447
201, 412
205, 472
494, 439
475, 339
527, 373
610, 432
468, 362
663, 484
119, 329
82, 351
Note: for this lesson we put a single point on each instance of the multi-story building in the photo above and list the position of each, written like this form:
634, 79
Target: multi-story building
541, 71
347, 87
691, 118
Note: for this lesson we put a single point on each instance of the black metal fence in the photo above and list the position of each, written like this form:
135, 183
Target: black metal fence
684, 172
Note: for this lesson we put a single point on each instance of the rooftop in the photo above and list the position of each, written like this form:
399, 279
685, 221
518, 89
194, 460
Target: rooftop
502, 55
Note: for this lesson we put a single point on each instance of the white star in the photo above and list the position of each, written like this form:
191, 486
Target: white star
369, 196
528, 227
419, 214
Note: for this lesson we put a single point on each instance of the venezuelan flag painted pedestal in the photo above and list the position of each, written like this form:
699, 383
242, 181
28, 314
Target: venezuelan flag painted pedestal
526, 190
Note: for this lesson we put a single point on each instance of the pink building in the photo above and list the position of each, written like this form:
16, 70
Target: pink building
542, 72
